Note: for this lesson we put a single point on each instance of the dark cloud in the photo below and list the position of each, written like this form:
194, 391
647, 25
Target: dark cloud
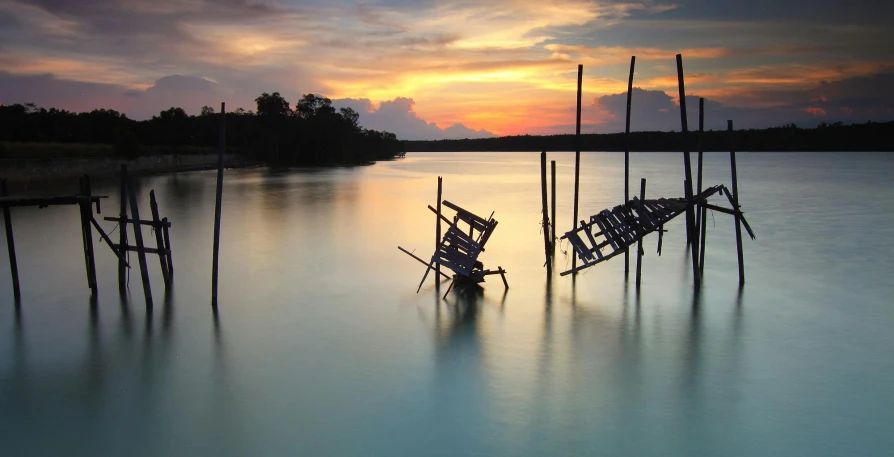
850, 100
49, 92
397, 116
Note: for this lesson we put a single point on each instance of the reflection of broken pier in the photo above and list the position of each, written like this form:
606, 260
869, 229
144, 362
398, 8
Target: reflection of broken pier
460, 246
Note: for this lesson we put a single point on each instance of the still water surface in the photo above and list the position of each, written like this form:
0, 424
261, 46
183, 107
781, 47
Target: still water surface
322, 347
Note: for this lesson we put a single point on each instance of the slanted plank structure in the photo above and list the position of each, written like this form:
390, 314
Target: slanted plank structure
459, 248
612, 232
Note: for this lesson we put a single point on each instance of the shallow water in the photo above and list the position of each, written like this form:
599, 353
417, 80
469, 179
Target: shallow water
322, 346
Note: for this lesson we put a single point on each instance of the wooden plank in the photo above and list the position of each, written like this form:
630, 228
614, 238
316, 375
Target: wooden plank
420, 260
167, 236
122, 233
574, 219
137, 249
639, 246
465, 214
579, 246
160, 224
86, 207
159, 239
42, 202
109, 241
141, 250
218, 202
627, 155
545, 215
438, 225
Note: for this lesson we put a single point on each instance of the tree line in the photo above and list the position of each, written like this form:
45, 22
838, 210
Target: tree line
871, 136
311, 133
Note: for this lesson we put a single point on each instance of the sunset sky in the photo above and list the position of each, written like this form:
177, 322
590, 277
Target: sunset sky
455, 69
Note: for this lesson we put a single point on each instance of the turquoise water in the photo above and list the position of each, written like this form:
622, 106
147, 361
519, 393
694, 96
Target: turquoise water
322, 346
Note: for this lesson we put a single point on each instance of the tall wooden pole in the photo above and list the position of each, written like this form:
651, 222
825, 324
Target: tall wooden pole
732, 167
544, 210
580, 76
639, 246
438, 233
691, 236
11, 246
698, 179
159, 239
122, 234
86, 207
141, 248
552, 217
703, 214
627, 156
218, 201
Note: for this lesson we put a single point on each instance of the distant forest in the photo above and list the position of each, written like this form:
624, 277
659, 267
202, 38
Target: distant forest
872, 136
313, 133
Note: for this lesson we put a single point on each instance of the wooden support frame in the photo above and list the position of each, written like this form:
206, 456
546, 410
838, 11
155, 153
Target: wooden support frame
159, 239
141, 248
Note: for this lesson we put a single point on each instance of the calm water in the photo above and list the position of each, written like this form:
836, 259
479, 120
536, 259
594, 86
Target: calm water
322, 346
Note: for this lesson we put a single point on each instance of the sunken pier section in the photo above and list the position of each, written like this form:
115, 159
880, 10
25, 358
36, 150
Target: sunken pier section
87, 203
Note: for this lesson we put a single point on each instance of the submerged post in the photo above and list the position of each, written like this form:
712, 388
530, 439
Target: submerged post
218, 201
732, 167
122, 233
438, 232
691, 236
159, 239
11, 246
580, 75
627, 156
141, 249
86, 206
552, 216
544, 209
639, 245
704, 230
167, 236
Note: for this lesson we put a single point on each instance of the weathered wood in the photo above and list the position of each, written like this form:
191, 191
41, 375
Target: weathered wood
691, 229
580, 75
732, 167
552, 218
165, 226
159, 239
719, 209
703, 233
122, 232
503, 276
141, 249
544, 211
109, 241
11, 246
639, 246
87, 214
420, 260
217, 203
137, 249
701, 134
160, 224
448, 221
43, 202
627, 155
438, 226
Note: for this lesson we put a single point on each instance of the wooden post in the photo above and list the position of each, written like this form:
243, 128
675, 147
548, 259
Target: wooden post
122, 233
691, 235
704, 230
167, 236
639, 246
698, 179
11, 246
544, 209
87, 230
580, 75
627, 157
732, 167
159, 238
438, 231
552, 218
219, 200
141, 249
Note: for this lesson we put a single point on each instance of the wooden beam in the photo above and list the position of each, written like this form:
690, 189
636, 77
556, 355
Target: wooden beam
639, 246
218, 202
552, 219
580, 75
86, 207
420, 260
159, 224
108, 241
691, 235
545, 214
732, 167
627, 156
137, 249
11, 246
438, 226
159, 239
122, 233
141, 249
42, 202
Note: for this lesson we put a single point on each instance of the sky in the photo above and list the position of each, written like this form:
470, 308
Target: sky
457, 68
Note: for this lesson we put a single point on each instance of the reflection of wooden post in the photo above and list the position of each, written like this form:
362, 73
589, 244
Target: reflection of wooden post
544, 209
703, 232
217, 204
639, 246
732, 167
438, 232
552, 218
11, 246
86, 206
159, 238
122, 233
141, 248
627, 157
691, 235
580, 75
